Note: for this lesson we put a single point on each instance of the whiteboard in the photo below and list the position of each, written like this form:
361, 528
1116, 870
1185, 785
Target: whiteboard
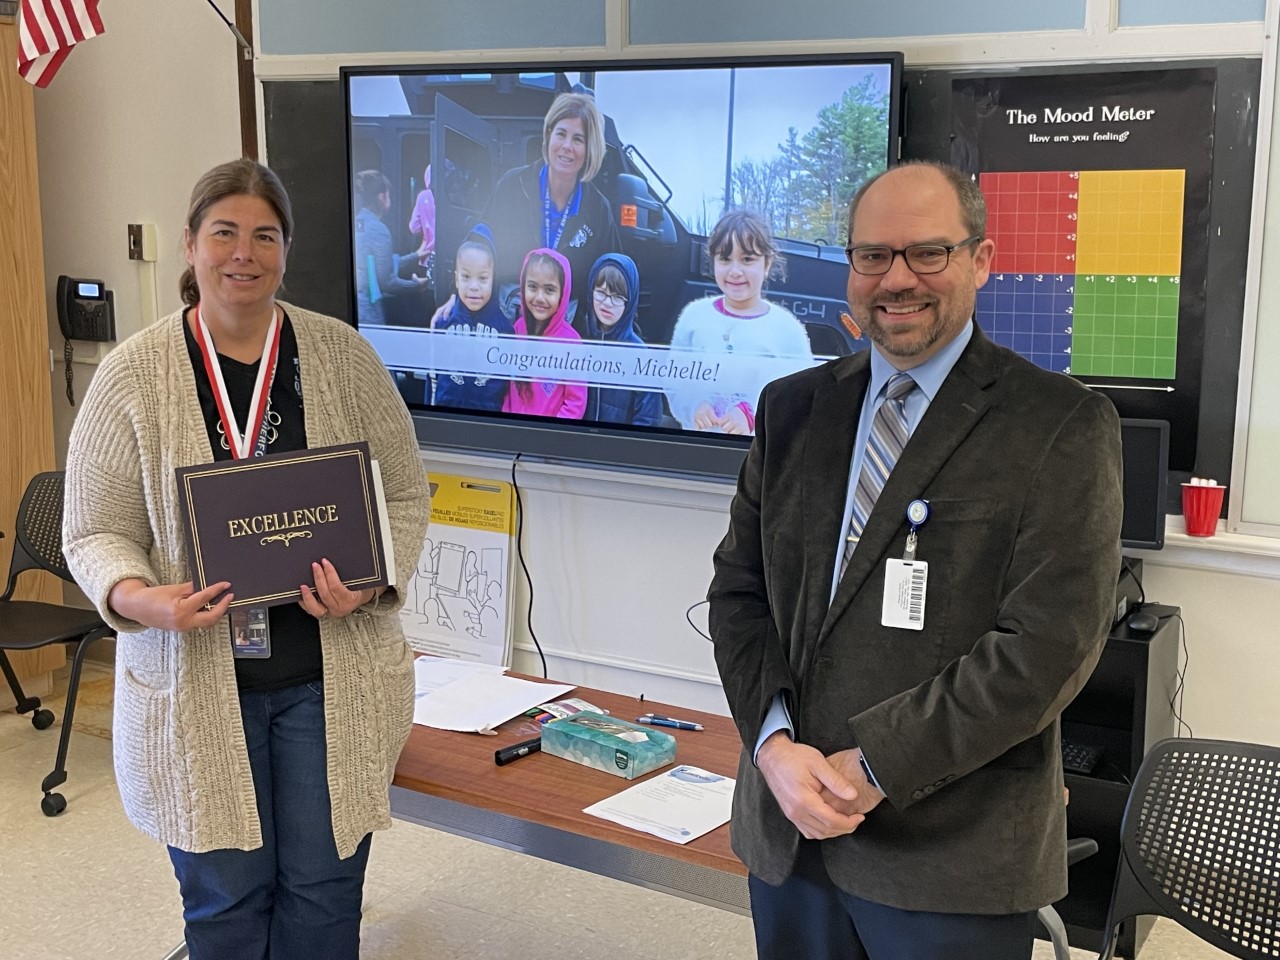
1259, 449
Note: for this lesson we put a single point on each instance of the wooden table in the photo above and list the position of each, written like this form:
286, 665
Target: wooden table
449, 781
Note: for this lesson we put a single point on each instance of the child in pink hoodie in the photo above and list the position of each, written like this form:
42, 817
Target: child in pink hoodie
545, 281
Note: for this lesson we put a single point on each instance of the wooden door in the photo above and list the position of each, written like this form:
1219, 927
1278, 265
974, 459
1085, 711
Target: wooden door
26, 404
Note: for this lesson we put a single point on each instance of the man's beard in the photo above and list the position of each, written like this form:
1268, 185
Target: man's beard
911, 346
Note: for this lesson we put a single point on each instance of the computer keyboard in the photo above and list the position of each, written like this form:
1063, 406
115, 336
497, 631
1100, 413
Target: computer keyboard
1079, 758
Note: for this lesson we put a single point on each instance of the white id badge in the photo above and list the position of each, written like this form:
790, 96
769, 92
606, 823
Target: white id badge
905, 583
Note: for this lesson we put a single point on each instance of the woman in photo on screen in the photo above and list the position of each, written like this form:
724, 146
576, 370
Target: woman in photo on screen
376, 275
734, 328
265, 776
544, 282
553, 204
474, 313
610, 316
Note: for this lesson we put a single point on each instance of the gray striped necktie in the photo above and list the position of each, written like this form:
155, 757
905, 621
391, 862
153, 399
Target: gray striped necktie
884, 445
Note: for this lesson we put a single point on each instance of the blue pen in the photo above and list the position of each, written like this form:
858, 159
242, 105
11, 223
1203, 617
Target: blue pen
655, 720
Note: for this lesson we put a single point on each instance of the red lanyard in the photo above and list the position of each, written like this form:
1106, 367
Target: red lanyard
239, 441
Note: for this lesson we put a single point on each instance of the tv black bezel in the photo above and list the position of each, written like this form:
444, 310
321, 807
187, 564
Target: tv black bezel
587, 442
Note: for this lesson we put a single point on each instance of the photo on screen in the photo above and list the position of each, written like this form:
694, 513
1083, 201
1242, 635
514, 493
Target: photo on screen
629, 247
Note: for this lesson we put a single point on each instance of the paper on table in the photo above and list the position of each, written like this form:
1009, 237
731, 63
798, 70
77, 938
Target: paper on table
481, 700
432, 673
679, 805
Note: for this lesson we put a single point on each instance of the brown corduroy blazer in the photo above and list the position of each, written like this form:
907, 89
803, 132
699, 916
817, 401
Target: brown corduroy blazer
959, 721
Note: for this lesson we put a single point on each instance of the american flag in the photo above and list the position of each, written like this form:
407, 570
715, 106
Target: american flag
47, 30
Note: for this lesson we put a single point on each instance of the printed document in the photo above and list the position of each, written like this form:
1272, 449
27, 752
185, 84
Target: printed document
679, 805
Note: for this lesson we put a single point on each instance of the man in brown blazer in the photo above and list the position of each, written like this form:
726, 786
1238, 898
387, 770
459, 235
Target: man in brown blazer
900, 790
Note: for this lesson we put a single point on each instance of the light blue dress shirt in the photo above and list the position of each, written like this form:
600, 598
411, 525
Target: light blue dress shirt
928, 377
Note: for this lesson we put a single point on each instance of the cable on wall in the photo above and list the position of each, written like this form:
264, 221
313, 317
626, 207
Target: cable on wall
524, 566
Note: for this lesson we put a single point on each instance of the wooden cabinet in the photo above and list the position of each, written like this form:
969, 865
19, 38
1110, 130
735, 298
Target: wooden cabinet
26, 410
1124, 708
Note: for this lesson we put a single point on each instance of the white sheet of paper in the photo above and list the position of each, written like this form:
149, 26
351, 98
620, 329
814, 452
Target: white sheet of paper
480, 700
679, 805
431, 673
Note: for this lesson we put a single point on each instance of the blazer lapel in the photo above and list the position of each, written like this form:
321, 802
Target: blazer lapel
960, 403
828, 452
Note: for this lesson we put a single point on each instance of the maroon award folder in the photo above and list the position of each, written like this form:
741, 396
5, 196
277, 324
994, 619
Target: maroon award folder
260, 523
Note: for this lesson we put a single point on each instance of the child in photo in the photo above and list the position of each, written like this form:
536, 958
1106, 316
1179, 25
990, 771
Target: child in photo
614, 285
545, 281
474, 313
738, 324
422, 223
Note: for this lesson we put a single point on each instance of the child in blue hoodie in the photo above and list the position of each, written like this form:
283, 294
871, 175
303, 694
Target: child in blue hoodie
475, 313
614, 283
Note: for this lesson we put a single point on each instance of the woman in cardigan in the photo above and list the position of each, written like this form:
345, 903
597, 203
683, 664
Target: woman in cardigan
264, 776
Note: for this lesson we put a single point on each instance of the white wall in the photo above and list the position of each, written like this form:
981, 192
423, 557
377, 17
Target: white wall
1229, 598
122, 133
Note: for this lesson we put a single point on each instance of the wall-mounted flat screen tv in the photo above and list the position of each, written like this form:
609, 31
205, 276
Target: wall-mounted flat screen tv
607, 262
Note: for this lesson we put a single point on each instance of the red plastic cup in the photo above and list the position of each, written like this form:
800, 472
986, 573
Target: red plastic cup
1200, 508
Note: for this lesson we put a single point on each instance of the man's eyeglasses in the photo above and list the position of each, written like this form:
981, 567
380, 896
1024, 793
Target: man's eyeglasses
609, 299
921, 258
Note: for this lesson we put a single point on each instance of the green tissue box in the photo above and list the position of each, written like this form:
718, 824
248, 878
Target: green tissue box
615, 746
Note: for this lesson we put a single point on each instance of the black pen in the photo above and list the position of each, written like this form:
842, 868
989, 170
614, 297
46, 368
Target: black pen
516, 751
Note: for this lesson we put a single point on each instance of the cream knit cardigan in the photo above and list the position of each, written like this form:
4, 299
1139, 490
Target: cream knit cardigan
180, 756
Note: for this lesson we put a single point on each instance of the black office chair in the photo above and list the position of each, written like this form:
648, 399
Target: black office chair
29, 624
1200, 844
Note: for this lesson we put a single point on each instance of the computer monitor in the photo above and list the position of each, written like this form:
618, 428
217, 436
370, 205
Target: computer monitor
1146, 480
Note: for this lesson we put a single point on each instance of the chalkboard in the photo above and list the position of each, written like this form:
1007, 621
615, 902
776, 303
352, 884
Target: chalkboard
306, 143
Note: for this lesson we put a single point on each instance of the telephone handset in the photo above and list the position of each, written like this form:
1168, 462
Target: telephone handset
86, 311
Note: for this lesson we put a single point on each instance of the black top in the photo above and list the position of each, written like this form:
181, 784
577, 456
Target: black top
295, 634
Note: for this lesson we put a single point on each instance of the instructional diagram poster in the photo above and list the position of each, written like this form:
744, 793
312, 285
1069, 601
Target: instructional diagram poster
1098, 191
459, 600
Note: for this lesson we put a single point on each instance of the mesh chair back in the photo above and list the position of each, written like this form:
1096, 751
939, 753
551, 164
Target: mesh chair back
1201, 836
39, 529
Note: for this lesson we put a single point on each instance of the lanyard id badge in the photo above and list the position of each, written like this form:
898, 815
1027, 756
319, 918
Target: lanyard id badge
250, 633
906, 581
250, 627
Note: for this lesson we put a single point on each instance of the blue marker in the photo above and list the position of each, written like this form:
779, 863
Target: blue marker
655, 720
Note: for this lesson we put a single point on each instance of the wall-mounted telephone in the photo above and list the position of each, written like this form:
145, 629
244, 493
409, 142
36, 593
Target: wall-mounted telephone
86, 311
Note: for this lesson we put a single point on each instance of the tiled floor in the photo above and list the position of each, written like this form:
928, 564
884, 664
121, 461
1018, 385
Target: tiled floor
87, 886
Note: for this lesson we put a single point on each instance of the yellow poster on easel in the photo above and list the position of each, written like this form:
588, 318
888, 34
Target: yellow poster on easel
459, 597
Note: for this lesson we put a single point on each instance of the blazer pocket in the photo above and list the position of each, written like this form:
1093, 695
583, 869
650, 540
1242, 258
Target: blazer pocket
943, 510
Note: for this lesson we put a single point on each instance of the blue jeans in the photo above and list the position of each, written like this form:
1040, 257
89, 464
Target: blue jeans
292, 897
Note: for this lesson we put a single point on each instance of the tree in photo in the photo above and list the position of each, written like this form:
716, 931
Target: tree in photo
843, 149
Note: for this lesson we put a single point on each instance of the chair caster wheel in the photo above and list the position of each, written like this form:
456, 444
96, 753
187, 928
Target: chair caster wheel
53, 804
42, 719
